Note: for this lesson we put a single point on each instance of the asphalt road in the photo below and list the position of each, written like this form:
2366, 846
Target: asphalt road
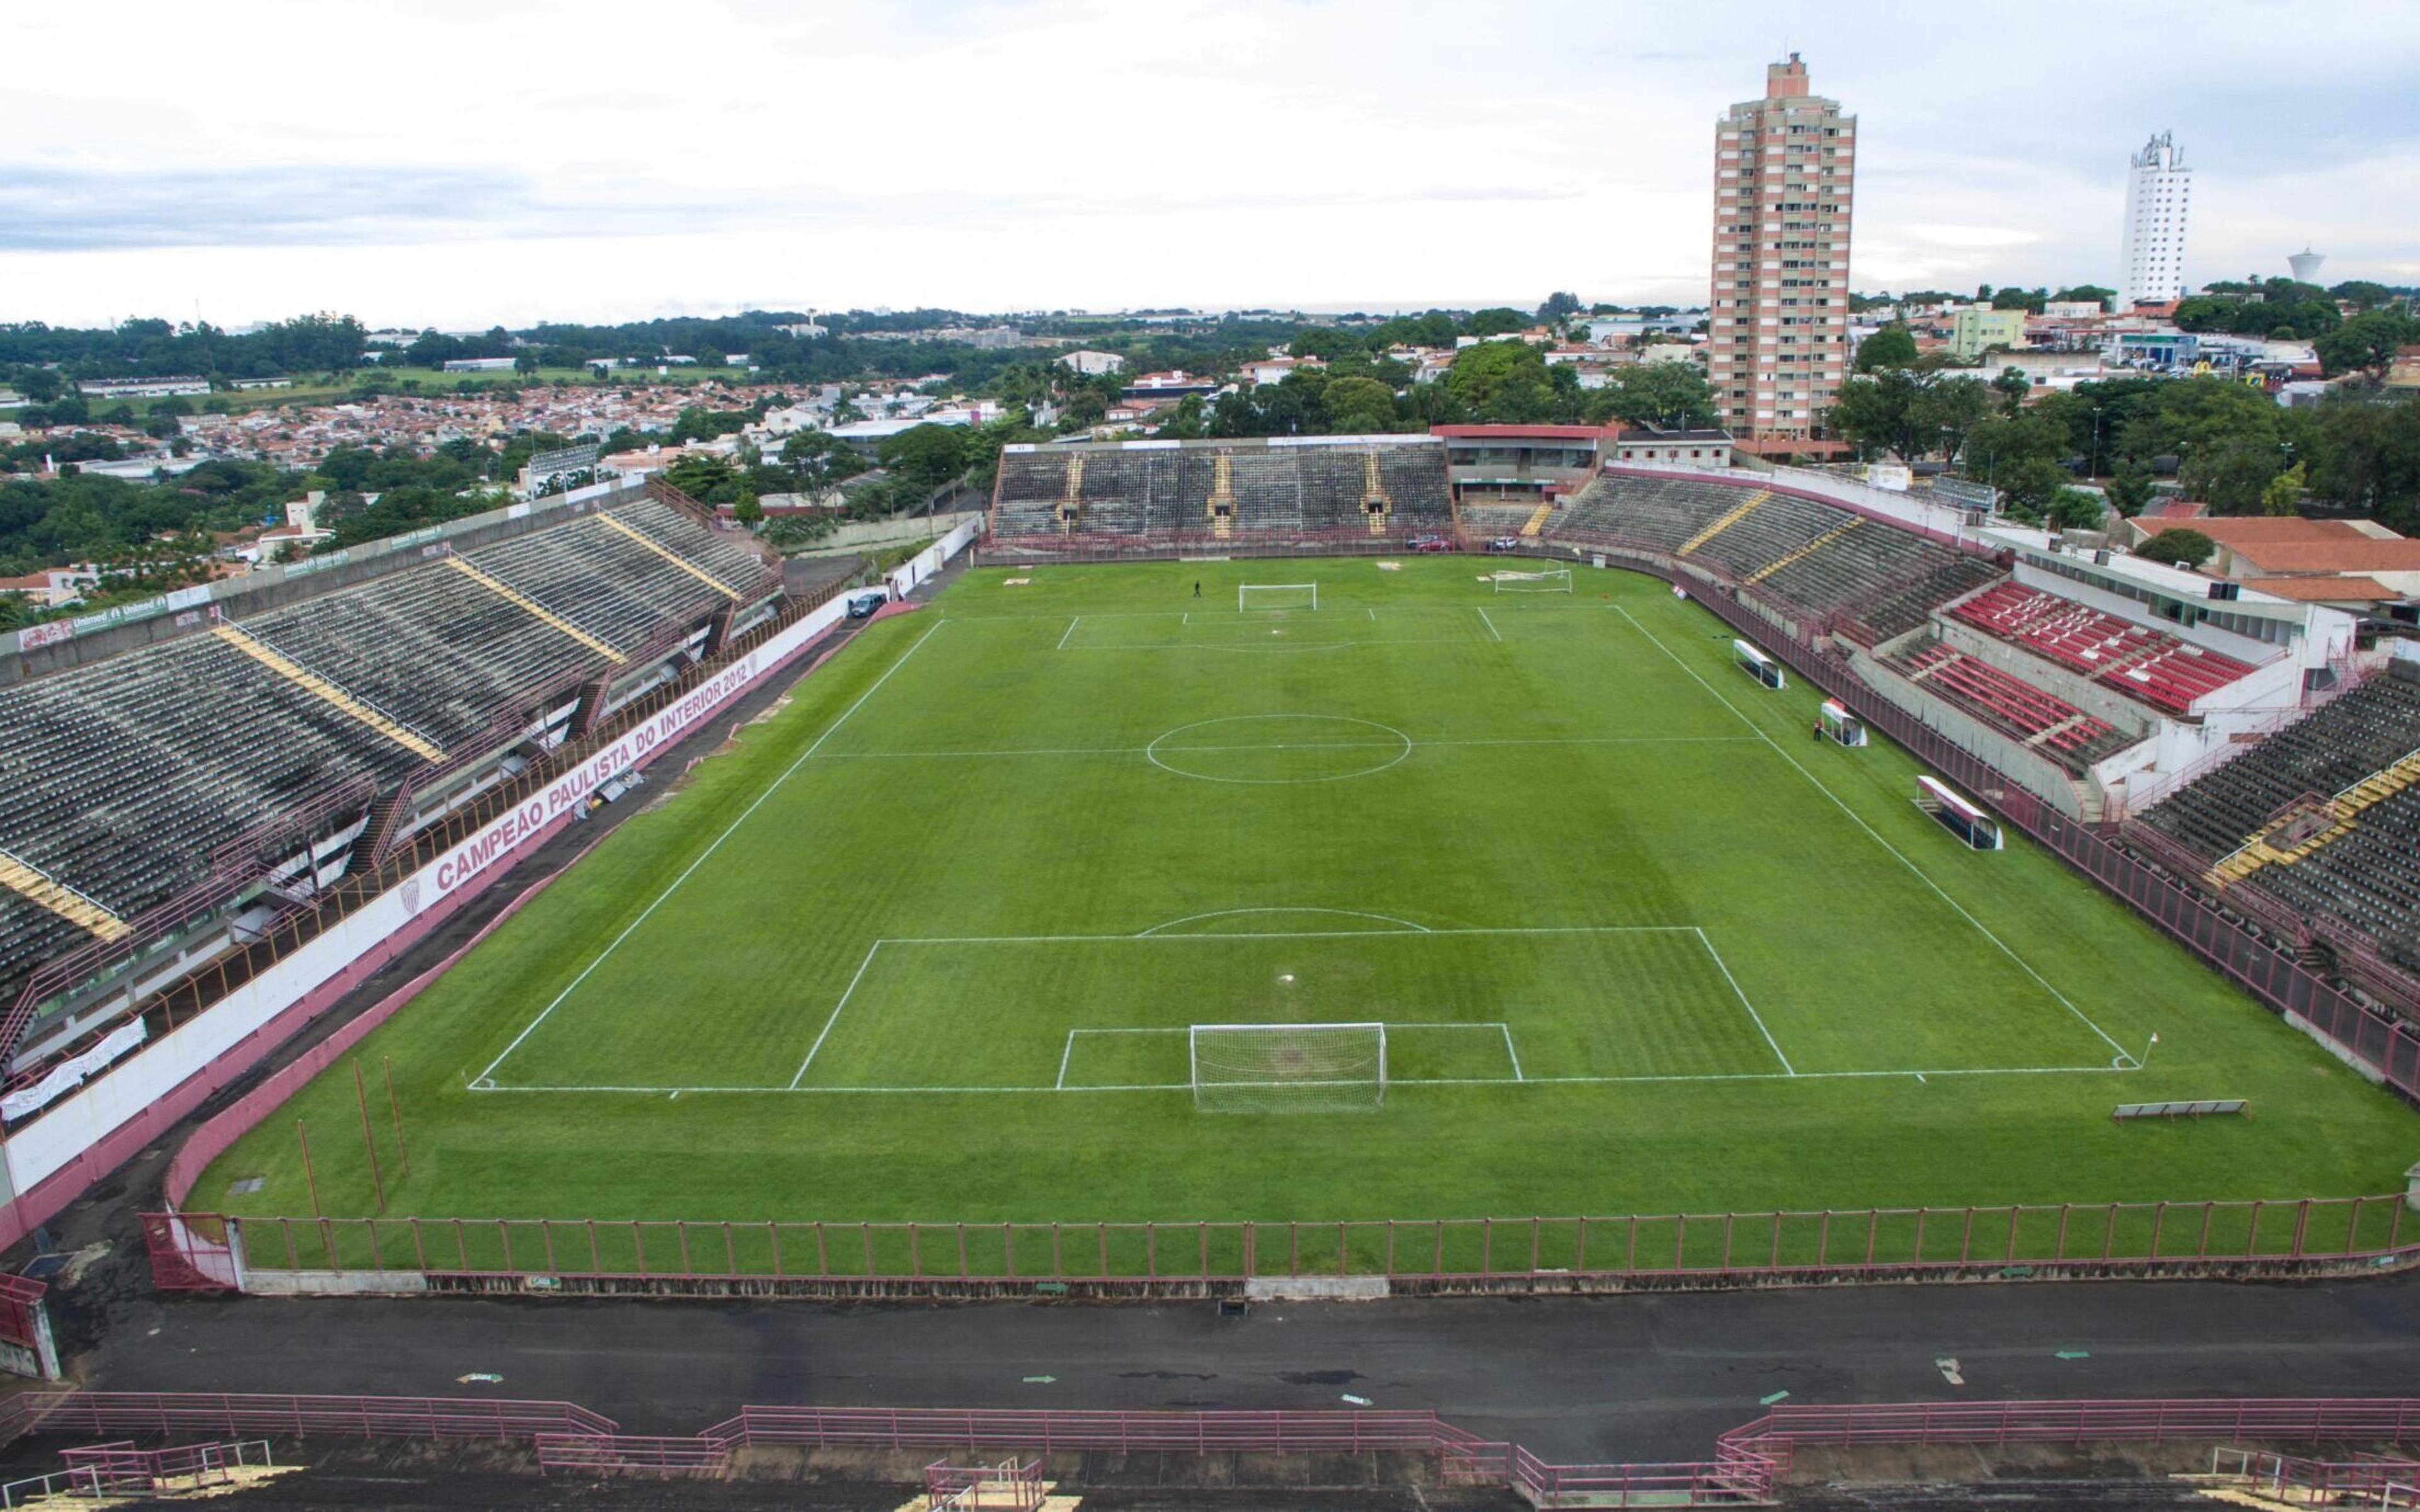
1649, 1377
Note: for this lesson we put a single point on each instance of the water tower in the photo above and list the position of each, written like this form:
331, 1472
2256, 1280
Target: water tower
2306, 265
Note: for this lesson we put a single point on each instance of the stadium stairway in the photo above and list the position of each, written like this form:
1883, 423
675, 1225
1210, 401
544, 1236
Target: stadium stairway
2345, 807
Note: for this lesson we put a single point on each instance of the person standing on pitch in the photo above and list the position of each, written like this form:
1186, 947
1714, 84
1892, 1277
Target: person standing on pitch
1197, 588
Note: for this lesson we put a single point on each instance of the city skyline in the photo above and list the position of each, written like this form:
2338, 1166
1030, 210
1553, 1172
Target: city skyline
509, 164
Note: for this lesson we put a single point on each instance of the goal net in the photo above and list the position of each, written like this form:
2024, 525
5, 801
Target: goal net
1289, 1068
1554, 580
1275, 595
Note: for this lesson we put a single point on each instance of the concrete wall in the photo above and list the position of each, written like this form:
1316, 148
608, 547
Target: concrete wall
2041, 776
864, 533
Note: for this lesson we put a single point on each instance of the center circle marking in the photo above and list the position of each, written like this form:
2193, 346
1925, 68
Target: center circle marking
1229, 750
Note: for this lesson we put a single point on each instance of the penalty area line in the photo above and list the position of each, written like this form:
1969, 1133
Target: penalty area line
814, 1049
1676, 1078
1755, 1017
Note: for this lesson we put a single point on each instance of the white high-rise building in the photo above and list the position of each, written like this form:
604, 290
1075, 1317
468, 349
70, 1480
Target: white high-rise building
2158, 194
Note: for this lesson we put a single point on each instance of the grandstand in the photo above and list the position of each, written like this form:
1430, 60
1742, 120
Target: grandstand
1146, 494
1870, 576
2040, 721
248, 757
2323, 817
2142, 663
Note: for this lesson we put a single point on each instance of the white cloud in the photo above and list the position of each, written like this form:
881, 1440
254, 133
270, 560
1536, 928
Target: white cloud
461, 161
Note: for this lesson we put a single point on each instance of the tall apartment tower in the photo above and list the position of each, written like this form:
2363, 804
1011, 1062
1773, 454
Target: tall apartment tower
2158, 191
1777, 319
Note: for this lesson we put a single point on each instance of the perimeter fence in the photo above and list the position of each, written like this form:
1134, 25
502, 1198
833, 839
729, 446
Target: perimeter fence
1748, 1467
215, 1252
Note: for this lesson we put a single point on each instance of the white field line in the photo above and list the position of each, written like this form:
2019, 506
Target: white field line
1291, 745
844, 997
1670, 1079
1895, 853
690, 869
1067, 1054
1264, 651
1491, 626
1070, 631
1286, 935
1757, 1018
1307, 908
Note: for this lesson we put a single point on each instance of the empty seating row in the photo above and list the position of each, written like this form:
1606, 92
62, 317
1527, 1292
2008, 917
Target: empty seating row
1154, 492
2368, 876
30, 935
1825, 558
2014, 706
439, 651
2368, 729
721, 555
2151, 665
119, 779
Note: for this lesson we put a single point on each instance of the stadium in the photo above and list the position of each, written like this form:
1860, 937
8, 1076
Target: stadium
1226, 870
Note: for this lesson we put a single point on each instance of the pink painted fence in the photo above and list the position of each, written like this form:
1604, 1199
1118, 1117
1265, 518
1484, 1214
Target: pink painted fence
1747, 1462
1103, 1258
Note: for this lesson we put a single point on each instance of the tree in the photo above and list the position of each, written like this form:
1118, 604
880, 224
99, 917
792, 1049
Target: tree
2178, 546
1502, 381
1327, 343
525, 362
2014, 388
2362, 294
1358, 406
2129, 491
1560, 305
927, 456
818, 458
1666, 395
707, 479
2232, 475
1893, 346
2367, 343
748, 510
2082, 293
2283, 494
2365, 456
2018, 455
1497, 321
2077, 509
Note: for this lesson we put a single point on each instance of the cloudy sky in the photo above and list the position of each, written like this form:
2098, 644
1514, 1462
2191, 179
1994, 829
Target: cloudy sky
461, 162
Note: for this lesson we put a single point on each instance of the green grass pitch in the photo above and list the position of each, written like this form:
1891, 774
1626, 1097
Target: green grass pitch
924, 944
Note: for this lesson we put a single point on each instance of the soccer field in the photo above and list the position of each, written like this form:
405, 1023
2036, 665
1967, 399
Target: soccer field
928, 943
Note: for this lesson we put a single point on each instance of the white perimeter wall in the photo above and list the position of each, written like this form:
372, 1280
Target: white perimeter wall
76, 1123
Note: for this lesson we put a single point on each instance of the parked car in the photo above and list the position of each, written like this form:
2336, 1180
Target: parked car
866, 605
1431, 543
1505, 543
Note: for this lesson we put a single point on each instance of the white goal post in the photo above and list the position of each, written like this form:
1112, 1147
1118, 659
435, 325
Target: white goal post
1289, 595
1552, 580
1288, 1068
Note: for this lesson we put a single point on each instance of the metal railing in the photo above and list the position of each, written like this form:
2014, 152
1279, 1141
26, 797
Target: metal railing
1746, 1465
199, 1250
